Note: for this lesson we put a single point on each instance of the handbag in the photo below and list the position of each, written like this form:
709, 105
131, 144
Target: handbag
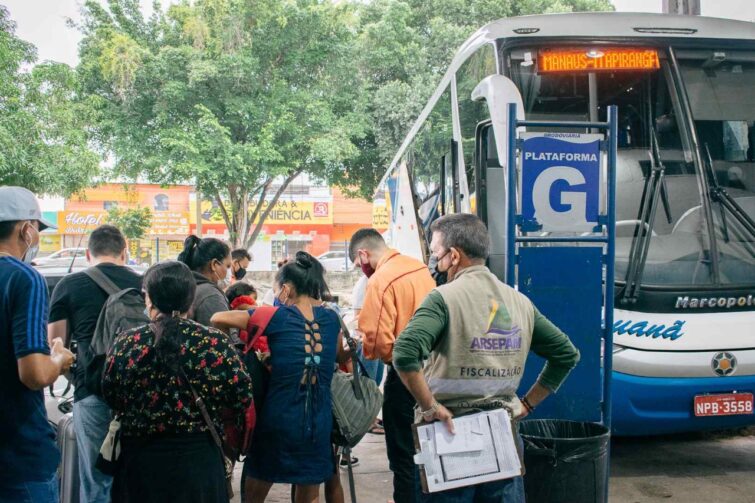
110, 451
356, 399
228, 464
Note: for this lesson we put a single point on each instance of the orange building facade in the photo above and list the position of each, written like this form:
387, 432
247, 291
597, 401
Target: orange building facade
318, 221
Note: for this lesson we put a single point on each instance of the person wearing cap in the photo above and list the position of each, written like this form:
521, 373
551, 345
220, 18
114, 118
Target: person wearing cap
28, 364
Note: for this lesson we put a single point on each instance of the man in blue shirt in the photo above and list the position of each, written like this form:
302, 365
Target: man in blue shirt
28, 454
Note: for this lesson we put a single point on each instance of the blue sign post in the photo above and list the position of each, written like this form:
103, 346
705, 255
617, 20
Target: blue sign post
561, 250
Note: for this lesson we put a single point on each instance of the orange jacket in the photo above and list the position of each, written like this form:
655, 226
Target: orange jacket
394, 292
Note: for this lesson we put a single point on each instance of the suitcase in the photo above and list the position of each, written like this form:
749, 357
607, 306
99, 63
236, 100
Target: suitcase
69, 460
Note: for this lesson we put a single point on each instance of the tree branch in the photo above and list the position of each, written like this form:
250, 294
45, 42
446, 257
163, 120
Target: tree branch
258, 228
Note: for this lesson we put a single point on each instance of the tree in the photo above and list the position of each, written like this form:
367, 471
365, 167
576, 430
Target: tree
133, 222
44, 135
238, 97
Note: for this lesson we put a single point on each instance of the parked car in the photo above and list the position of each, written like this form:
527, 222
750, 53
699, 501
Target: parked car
335, 261
63, 258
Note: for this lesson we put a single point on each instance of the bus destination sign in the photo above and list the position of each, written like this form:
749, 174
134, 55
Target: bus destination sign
593, 60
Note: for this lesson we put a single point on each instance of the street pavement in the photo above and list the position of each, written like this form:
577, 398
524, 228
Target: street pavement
695, 467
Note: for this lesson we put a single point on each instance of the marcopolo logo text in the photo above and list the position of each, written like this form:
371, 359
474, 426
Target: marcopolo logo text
710, 302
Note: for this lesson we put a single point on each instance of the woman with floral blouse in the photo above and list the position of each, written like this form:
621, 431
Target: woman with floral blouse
167, 452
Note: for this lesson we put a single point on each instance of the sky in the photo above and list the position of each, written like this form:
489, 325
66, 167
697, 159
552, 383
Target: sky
43, 22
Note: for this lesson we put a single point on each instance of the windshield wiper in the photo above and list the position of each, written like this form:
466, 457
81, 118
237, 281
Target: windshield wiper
654, 186
726, 202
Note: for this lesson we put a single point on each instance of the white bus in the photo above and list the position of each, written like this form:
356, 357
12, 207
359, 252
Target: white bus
684, 318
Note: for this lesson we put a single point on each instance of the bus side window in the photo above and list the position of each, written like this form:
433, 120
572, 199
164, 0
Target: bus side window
471, 113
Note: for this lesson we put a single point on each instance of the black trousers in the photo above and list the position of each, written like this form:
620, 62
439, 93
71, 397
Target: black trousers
398, 417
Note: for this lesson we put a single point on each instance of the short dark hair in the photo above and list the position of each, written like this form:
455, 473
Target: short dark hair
197, 253
106, 240
240, 254
6, 228
238, 289
364, 238
464, 232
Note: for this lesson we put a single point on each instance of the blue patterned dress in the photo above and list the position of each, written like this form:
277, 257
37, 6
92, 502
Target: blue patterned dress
291, 442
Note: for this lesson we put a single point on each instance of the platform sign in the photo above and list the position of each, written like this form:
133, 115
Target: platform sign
560, 182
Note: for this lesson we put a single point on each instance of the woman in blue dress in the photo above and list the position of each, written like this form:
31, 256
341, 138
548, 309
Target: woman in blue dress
291, 442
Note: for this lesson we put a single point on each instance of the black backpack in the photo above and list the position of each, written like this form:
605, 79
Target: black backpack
123, 310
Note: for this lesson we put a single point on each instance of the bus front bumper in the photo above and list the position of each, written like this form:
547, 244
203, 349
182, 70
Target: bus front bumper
661, 405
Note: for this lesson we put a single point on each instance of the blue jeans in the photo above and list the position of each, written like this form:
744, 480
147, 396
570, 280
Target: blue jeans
374, 367
91, 420
31, 492
500, 491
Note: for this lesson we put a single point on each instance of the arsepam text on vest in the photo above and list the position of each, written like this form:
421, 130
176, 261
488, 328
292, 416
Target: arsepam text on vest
490, 372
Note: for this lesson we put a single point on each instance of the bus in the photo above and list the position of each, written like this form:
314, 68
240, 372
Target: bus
684, 315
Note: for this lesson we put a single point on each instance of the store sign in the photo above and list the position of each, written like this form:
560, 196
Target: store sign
381, 217
285, 212
169, 223
79, 222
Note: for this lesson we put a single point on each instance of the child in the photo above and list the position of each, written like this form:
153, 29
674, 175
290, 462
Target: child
243, 297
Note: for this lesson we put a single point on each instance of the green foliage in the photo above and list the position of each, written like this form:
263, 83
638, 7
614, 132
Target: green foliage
133, 223
44, 123
228, 94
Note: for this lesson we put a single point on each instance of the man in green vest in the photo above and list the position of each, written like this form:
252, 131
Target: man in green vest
475, 333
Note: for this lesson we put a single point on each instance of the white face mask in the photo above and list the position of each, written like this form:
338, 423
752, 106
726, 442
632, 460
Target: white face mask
31, 251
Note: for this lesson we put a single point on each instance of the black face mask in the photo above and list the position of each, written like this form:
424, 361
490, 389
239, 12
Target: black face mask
240, 273
441, 278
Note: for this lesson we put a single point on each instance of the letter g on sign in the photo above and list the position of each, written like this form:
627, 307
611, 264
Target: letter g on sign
574, 218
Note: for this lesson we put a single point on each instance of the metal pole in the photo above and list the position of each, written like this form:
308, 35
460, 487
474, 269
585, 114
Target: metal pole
613, 130
511, 214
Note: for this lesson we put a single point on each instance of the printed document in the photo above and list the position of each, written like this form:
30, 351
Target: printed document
482, 450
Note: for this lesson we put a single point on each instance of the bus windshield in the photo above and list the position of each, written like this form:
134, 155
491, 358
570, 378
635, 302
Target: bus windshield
719, 86
649, 111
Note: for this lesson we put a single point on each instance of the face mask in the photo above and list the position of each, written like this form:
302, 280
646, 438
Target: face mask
240, 273
31, 251
221, 278
367, 269
441, 278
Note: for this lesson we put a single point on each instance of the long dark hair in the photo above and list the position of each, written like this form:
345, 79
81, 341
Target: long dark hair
171, 288
305, 274
197, 253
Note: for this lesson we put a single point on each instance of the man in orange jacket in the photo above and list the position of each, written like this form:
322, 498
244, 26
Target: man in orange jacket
396, 287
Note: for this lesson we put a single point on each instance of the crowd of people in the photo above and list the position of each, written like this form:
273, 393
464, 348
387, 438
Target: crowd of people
174, 380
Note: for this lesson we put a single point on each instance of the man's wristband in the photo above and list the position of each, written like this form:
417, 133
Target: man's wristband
430, 413
527, 404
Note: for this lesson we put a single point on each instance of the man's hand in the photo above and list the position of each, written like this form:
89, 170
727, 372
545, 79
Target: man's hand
444, 415
522, 413
61, 355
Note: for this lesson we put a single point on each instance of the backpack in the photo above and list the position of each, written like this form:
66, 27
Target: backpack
356, 400
123, 310
238, 440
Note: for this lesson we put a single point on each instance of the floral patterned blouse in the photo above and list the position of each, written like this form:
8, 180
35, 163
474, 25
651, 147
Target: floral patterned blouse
152, 400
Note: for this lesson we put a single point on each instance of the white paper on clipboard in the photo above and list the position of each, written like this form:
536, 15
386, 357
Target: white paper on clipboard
482, 450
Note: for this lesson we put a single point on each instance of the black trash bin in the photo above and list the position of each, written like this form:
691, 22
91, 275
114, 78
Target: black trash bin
565, 461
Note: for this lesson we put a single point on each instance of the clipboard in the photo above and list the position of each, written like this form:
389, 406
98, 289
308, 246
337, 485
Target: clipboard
483, 450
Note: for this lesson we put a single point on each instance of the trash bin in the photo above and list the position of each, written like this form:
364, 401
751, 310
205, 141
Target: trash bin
565, 461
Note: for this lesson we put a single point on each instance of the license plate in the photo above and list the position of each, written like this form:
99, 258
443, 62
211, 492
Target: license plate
726, 404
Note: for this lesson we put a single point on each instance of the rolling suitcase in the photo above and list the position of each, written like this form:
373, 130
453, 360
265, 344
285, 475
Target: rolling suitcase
69, 460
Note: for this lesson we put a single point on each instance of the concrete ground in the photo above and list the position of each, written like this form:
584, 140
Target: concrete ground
695, 467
